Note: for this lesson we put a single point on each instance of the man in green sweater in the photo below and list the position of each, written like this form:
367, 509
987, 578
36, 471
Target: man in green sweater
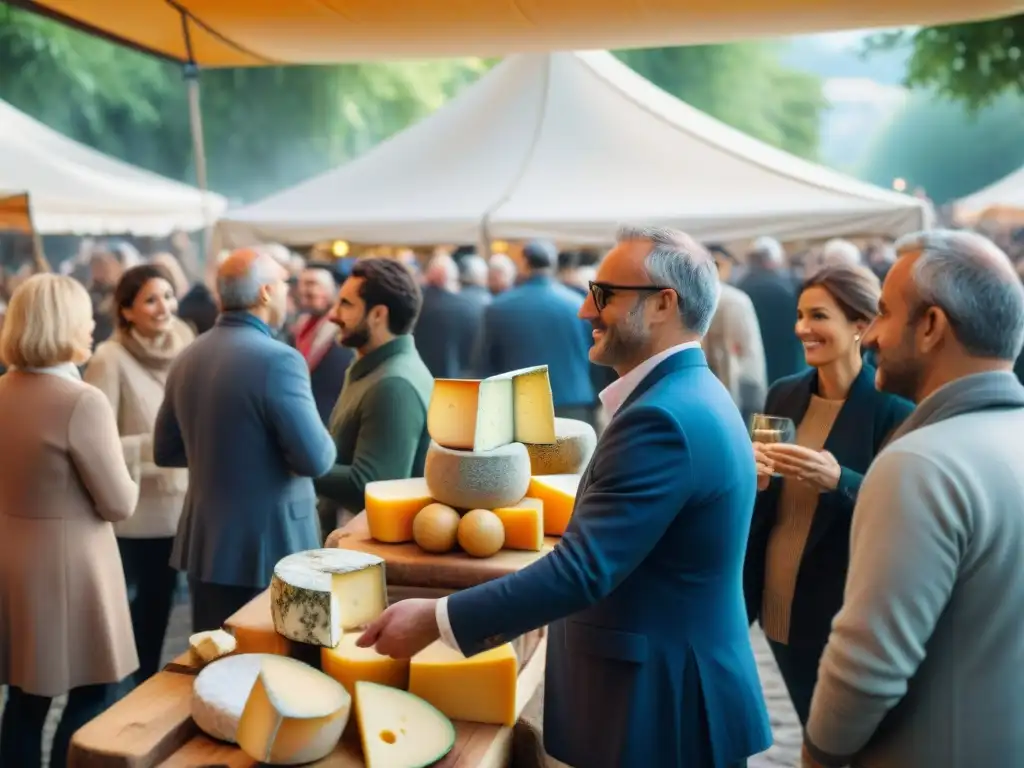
379, 423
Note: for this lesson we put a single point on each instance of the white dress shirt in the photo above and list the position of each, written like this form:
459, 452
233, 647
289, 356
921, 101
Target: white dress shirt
612, 397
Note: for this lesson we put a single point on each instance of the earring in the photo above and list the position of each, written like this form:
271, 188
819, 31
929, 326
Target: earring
856, 337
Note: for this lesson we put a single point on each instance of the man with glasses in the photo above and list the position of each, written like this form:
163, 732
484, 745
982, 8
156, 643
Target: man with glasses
649, 655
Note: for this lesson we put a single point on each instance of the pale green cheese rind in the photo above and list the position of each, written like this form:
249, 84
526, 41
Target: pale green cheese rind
575, 442
478, 479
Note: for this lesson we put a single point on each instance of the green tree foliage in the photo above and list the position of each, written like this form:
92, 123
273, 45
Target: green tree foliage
933, 143
972, 63
743, 85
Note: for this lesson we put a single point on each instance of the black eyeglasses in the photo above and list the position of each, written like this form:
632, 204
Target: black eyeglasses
603, 292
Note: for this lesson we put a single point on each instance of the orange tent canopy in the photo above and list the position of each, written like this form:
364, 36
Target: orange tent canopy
14, 213
231, 33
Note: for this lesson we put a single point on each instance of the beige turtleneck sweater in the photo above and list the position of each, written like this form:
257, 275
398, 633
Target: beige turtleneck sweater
797, 504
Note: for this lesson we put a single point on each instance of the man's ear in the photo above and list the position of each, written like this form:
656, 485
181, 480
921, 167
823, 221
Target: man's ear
932, 328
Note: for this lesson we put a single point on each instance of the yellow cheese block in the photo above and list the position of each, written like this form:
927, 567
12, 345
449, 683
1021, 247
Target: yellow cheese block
484, 414
399, 730
391, 506
524, 524
294, 714
349, 664
253, 629
558, 493
480, 689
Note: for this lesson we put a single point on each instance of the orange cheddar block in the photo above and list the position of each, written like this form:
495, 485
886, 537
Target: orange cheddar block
253, 629
480, 689
349, 664
524, 524
391, 506
558, 494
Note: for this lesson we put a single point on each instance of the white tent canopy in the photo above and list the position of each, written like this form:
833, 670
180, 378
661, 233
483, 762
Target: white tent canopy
565, 146
73, 189
1002, 201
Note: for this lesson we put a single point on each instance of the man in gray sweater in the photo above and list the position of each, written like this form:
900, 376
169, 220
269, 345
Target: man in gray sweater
925, 664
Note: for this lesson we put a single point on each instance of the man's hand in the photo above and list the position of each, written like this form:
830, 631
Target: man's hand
403, 630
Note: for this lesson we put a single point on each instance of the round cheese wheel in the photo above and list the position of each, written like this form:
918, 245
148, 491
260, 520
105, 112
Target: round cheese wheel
574, 444
477, 479
220, 691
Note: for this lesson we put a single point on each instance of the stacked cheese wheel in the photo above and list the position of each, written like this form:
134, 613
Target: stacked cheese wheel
282, 711
501, 471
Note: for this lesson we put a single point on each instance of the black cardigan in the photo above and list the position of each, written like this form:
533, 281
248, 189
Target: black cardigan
861, 429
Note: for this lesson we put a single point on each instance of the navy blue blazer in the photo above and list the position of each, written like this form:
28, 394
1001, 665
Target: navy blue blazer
239, 413
649, 657
536, 323
861, 428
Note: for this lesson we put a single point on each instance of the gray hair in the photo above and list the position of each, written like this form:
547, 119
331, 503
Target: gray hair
767, 252
502, 264
240, 292
323, 276
679, 262
473, 270
972, 280
840, 251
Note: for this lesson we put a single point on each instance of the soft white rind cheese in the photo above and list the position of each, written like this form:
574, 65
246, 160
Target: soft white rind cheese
317, 595
220, 691
478, 479
211, 645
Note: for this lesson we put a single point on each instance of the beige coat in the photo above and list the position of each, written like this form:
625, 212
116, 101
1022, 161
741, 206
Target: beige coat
64, 619
734, 348
135, 388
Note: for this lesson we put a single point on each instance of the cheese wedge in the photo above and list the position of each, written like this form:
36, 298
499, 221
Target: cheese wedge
295, 714
480, 415
480, 689
211, 645
349, 664
252, 626
477, 479
399, 730
391, 506
558, 493
574, 444
317, 595
220, 692
524, 524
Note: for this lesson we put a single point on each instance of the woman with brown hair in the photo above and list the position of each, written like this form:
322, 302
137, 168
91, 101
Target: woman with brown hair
131, 370
64, 621
798, 551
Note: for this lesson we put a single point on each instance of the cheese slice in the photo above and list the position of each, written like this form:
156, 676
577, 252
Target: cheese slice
480, 689
294, 714
391, 506
350, 664
317, 595
399, 730
483, 414
211, 645
220, 691
524, 524
558, 493
574, 444
478, 479
252, 626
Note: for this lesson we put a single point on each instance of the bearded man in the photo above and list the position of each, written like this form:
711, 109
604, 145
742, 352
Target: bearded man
379, 423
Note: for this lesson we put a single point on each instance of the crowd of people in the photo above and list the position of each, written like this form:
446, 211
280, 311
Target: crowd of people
154, 427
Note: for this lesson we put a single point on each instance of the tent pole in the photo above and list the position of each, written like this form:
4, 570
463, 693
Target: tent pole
195, 114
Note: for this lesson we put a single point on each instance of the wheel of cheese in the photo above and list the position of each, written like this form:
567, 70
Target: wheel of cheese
478, 479
574, 444
220, 691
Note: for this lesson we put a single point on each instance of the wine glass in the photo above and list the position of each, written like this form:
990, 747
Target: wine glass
772, 429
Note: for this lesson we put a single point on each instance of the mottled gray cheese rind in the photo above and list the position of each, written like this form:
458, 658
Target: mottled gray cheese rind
575, 442
301, 595
478, 479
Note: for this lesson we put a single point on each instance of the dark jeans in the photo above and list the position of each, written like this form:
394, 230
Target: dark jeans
799, 669
21, 731
213, 604
151, 585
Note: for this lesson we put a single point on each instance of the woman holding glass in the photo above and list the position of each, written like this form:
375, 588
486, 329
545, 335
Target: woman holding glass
808, 480
65, 626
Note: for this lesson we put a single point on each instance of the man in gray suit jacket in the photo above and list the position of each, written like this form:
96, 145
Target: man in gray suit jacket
240, 414
923, 668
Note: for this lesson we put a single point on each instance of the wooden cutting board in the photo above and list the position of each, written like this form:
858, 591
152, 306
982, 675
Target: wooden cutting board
408, 565
152, 726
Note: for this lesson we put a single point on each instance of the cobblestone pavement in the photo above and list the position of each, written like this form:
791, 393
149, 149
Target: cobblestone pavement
784, 753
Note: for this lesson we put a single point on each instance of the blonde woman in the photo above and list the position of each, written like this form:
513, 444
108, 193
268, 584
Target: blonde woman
65, 626
131, 370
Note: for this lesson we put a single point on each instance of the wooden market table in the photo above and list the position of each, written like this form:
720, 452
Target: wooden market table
152, 726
